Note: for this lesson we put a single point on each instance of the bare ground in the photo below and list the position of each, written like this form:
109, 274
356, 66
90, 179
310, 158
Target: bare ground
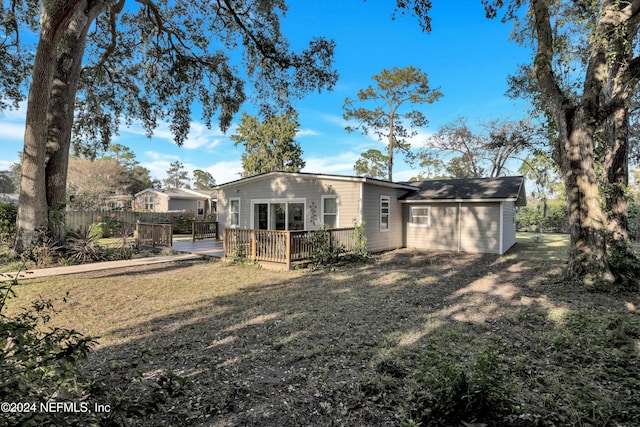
349, 345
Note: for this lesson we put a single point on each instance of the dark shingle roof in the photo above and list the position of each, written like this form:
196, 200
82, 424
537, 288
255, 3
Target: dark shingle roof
502, 188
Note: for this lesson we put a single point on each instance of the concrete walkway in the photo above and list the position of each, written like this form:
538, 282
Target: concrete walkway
97, 266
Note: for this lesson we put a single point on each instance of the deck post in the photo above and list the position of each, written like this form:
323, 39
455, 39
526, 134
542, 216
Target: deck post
253, 244
224, 243
288, 250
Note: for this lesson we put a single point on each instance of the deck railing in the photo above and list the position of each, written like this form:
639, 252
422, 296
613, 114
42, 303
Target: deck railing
204, 230
284, 247
154, 235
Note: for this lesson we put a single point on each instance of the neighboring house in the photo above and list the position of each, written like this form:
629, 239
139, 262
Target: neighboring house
472, 215
201, 202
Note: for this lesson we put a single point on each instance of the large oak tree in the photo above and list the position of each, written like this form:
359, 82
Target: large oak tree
149, 61
584, 71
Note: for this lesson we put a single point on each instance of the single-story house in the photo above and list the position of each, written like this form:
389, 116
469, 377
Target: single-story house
470, 215
201, 202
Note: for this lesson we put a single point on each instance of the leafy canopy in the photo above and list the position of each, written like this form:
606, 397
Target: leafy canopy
269, 145
380, 108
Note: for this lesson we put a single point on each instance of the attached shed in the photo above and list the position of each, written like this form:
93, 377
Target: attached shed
464, 215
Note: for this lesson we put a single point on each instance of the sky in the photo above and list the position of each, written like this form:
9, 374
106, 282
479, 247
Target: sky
466, 56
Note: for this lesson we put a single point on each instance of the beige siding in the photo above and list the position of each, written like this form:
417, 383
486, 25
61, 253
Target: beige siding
382, 240
477, 231
287, 188
180, 205
508, 225
440, 234
480, 227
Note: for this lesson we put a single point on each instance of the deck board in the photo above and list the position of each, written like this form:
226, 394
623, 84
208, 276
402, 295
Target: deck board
207, 247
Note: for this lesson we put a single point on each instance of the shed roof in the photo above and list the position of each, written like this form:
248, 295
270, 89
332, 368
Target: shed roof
471, 189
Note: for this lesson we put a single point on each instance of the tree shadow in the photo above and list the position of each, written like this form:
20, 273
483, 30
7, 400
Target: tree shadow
340, 346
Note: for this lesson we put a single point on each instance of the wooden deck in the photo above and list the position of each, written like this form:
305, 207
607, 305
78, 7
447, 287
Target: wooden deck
207, 247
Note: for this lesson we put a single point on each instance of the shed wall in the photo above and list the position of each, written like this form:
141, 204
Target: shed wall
508, 225
477, 231
441, 234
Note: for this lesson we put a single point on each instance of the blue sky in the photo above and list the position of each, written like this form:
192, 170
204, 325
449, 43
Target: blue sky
467, 56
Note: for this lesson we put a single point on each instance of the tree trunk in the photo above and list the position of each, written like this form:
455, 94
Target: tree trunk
588, 260
32, 206
60, 119
391, 147
616, 166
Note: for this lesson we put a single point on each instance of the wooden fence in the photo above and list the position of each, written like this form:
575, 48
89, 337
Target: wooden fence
204, 230
77, 220
154, 235
284, 247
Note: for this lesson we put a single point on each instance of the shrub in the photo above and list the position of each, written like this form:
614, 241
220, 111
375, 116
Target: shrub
445, 393
83, 247
39, 363
322, 251
8, 214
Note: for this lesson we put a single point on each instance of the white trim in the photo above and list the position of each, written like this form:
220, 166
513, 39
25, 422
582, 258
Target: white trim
501, 227
322, 213
388, 200
361, 204
459, 227
510, 199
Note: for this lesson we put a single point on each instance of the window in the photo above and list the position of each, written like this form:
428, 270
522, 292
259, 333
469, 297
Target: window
278, 214
385, 205
261, 216
234, 212
296, 216
200, 208
330, 211
148, 203
420, 216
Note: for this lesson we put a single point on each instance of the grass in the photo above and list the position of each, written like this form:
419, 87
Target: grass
396, 341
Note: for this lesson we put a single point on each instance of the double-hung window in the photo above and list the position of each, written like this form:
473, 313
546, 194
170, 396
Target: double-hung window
148, 203
385, 212
330, 211
234, 212
420, 216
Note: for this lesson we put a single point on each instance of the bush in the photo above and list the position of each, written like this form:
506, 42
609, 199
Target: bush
446, 393
39, 363
322, 251
83, 247
8, 214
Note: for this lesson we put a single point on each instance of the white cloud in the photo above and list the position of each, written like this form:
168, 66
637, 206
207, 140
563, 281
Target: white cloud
161, 156
224, 172
341, 163
199, 137
308, 132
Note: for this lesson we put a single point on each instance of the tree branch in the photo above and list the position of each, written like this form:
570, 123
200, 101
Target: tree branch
543, 62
